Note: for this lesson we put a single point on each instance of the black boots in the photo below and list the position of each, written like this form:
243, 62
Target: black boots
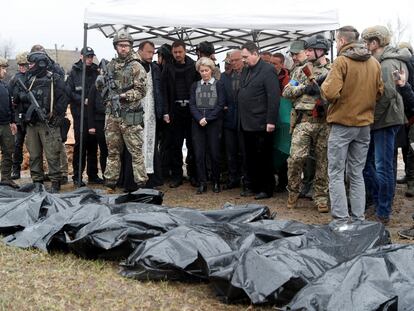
55, 188
15, 172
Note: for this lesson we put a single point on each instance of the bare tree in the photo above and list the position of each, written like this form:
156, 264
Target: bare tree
400, 31
7, 48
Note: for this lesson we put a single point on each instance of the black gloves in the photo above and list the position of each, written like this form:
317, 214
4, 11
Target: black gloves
312, 89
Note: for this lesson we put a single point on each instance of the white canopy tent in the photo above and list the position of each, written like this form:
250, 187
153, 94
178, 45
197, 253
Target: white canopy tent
225, 23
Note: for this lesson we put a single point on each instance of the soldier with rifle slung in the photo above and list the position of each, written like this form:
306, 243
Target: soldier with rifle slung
124, 84
43, 103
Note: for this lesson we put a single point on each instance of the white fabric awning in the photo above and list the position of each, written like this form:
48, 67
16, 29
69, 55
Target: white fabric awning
227, 24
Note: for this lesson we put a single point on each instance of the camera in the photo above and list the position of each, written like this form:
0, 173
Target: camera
396, 75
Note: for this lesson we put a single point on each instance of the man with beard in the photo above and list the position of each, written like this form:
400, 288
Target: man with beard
177, 79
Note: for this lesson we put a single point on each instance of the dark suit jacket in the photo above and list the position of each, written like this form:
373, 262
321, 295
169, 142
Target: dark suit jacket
258, 98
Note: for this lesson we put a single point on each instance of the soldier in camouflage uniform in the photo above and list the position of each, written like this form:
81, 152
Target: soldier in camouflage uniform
43, 124
126, 125
310, 123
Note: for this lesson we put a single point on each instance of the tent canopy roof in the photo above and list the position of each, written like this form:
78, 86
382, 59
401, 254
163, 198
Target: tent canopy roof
227, 24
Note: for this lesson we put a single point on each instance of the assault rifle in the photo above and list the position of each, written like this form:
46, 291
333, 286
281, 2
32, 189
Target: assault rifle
34, 106
110, 90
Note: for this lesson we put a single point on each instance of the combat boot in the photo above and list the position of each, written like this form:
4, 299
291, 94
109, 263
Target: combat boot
10, 183
410, 189
15, 172
322, 207
55, 188
111, 186
292, 199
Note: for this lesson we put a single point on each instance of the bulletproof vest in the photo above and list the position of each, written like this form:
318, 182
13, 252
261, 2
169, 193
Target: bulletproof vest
206, 95
41, 89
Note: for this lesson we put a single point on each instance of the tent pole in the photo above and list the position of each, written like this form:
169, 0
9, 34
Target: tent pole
83, 96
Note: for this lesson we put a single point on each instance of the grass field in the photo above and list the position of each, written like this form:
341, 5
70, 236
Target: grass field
33, 280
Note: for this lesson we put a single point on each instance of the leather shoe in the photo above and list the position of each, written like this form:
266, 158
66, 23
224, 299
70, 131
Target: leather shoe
194, 182
261, 196
216, 188
247, 193
202, 188
77, 184
95, 180
176, 183
231, 185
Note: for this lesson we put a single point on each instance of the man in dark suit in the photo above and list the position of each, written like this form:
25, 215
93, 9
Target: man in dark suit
258, 108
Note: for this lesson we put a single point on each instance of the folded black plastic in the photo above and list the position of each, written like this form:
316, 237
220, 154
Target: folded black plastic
95, 225
378, 279
264, 261
199, 251
117, 235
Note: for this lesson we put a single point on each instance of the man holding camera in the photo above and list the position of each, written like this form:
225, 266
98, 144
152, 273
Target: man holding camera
310, 122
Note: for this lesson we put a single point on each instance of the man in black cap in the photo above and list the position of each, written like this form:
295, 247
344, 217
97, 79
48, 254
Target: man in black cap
74, 90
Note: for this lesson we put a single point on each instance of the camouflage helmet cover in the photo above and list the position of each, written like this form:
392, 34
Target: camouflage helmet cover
21, 58
378, 31
122, 35
3, 62
318, 42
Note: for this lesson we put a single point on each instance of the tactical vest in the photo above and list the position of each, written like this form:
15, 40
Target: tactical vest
41, 89
206, 95
123, 74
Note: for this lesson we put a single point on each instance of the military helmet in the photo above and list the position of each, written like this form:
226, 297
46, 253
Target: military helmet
21, 58
3, 62
380, 32
122, 35
206, 48
318, 42
41, 62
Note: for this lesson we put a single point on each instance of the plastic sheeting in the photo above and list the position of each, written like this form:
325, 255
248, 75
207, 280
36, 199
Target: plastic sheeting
240, 250
266, 261
94, 225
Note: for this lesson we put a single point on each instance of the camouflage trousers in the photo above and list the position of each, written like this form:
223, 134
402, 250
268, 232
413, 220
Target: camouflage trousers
117, 133
7, 146
304, 135
40, 138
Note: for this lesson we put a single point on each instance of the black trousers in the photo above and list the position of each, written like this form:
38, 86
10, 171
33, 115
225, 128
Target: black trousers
207, 138
180, 130
233, 154
259, 149
18, 146
89, 151
126, 176
103, 148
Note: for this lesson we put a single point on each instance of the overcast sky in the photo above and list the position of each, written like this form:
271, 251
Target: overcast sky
60, 22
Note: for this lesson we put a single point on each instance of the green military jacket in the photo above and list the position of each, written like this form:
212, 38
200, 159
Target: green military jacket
131, 79
294, 92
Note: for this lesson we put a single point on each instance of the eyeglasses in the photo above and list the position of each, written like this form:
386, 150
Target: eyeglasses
123, 46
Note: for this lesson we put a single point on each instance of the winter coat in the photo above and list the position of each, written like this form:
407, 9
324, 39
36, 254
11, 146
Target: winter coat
353, 86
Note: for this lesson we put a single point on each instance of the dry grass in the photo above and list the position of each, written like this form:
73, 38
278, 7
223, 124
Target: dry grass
32, 280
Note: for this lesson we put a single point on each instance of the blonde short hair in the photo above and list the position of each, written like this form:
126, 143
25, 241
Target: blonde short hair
205, 61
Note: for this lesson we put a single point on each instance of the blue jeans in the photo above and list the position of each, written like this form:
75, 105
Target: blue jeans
379, 169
